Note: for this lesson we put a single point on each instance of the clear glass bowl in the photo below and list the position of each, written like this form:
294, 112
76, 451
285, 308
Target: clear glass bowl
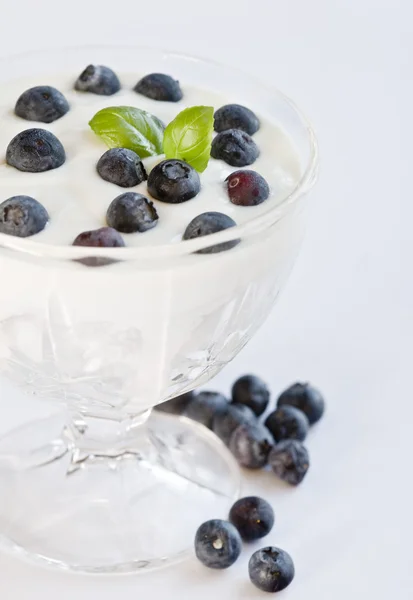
110, 486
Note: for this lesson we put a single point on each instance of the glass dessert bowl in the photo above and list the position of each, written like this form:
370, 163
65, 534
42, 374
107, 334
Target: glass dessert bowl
109, 485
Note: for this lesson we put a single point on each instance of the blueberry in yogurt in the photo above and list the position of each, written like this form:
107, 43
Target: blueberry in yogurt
235, 147
235, 116
173, 181
122, 167
98, 79
159, 86
42, 103
131, 212
105, 237
35, 150
206, 224
247, 188
22, 216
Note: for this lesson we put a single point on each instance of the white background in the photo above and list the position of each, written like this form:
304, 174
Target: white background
345, 319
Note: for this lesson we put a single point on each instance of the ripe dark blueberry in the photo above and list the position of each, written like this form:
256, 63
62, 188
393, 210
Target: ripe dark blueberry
159, 87
288, 423
122, 167
22, 216
42, 103
247, 188
289, 460
35, 150
271, 569
217, 544
105, 237
235, 147
235, 116
306, 398
253, 517
251, 391
224, 424
206, 224
131, 212
250, 444
173, 181
177, 405
98, 79
205, 406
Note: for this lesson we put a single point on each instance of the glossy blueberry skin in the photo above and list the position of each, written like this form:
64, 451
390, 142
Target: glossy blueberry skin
35, 150
250, 444
271, 569
122, 167
306, 398
217, 544
251, 391
206, 224
98, 79
205, 406
224, 424
289, 460
235, 116
253, 517
105, 237
288, 423
177, 405
159, 86
235, 147
42, 103
247, 188
22, 216
131, 212
173, 181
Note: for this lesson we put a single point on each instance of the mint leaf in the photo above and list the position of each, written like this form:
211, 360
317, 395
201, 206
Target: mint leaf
189, 136
129, 127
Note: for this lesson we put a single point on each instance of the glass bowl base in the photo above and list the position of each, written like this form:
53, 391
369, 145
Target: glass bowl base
136, 510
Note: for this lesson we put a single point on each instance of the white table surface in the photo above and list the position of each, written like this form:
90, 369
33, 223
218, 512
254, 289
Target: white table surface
345, 319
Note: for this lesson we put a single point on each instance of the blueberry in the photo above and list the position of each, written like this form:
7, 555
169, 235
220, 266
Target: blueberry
290, 461
306, 398
35, 150
251, 391
177, 405
97, 79
42, 103
206, 224
131, 212
253, 517
224, 424
235, 116
287, 423
22, 216
105, 237
173, 181
205, 406
250, 444
235, 147
247, 188
122, 167
217, 544
159, 87
271, 569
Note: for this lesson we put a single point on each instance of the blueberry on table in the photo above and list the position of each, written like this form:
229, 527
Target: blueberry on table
271, 569
288, 423
173, 181
224, 424
306, 398
251, 444
131, 212
42, 103
105, 237
206, 224
247, 188
159, 86
177, 405
253, 517
235, 116
235, 147
22, 216
98, 79
217, 544
35, 150
205, 406
289, 460
251, 391
122, 167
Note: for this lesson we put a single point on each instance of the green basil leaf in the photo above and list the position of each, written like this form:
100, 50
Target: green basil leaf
129, 127
189, 136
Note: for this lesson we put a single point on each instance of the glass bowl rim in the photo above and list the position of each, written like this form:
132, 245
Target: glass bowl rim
185, 247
